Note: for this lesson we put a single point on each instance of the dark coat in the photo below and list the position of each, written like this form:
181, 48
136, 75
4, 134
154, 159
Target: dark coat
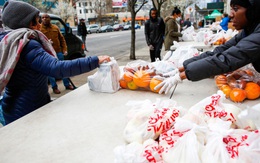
82, 29
235, 53
27, 89
154, 31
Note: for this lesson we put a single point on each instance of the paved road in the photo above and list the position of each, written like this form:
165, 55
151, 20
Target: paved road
115, 43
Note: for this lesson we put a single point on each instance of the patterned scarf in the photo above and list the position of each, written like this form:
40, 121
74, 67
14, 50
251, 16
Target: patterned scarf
11, 47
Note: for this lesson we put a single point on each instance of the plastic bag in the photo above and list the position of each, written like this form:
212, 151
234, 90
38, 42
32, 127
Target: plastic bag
139, 74
148, 152
181, 54
184, 142
106, 79
214, 107
147, 120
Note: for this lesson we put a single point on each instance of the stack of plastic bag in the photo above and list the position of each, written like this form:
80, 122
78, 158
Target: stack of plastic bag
210, 131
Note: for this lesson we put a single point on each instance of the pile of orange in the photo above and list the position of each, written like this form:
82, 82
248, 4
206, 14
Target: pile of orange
250, 90
139, 79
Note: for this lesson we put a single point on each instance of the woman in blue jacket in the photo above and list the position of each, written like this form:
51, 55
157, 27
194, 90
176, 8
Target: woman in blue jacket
27, 59
224, 21
239, 51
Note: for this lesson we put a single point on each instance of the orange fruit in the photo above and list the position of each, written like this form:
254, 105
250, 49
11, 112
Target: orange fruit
237, 95
153, 83
131, 85
128, 76
252, 90
123, 83
141, 78
226, 89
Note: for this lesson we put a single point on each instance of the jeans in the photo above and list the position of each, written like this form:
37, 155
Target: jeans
52, 80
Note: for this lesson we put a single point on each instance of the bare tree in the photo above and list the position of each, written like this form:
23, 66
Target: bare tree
158, 5
64, 10
134, 6
100, 9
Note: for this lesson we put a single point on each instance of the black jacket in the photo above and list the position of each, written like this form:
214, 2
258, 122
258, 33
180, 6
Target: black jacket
239, 51
82, 29
154, 31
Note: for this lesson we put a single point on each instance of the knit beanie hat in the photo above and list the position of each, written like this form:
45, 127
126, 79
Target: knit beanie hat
17, 14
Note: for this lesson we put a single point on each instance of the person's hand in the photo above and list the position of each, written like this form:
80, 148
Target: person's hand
151, 47
171, 73
168, 83
65, 53
103, 59
50, 41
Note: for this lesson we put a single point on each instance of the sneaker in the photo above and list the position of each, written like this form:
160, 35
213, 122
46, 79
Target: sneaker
56, 91
70, 87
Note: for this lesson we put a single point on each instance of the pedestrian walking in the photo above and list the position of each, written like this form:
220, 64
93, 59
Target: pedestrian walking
82, 31
154, 34
29, 59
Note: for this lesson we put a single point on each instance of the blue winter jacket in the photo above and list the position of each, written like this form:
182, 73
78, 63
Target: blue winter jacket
27, 89
224, 23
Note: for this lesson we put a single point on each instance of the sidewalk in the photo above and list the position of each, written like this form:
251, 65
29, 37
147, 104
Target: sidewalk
79, 80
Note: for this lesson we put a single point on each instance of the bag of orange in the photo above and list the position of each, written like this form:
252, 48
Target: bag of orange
239, 85
139, 74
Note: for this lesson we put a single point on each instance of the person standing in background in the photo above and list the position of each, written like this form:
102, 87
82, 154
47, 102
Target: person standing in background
224, 22
154, 34
172, 29
52, 32
82, 31
187, 23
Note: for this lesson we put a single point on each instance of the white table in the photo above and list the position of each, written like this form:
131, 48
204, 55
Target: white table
84, 126
198, 45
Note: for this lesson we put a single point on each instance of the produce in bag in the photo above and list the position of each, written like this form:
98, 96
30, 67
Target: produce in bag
240, 85
142, 75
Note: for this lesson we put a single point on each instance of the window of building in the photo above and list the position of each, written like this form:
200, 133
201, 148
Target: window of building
80, 12
79, 4
90, 3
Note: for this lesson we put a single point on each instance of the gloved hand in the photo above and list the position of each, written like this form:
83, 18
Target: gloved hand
151, 47
168, 83
171, 73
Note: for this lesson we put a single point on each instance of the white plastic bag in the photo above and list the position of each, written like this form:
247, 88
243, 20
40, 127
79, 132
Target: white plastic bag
181, 54
106, 79
148, 120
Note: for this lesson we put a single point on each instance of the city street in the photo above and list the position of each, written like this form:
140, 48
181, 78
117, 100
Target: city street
115, 44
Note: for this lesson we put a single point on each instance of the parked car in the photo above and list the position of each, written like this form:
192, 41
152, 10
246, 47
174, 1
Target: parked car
137, 26
74, 30
74, 43
118, 27
127, 26
93, 28
106, 28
